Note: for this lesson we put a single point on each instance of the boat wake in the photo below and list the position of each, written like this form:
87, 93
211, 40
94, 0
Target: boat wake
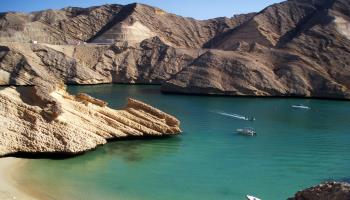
236, 116
300, 106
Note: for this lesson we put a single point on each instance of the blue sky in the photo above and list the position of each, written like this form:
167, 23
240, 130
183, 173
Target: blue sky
199, 9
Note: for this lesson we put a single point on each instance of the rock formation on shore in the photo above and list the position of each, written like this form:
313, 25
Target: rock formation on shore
293, 48
326, 191
46, 119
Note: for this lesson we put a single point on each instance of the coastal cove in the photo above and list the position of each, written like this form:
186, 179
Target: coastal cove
294, 149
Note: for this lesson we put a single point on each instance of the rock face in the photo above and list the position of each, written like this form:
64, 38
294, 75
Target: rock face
111, 23
151, 61
140, 44
136, 22
326, 191
294, 48
46, 119
67, 26
259, 71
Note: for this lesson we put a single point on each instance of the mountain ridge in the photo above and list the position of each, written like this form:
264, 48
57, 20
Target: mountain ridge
315, 62
292, 48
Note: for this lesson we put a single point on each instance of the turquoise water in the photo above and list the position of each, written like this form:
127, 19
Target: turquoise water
294, 149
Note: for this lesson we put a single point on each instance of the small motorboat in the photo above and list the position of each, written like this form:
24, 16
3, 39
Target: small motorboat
251, 119
247, 131
249, 197
300, 106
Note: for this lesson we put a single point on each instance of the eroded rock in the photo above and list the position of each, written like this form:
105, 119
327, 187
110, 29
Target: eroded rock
293, 48
41, 119
325, 191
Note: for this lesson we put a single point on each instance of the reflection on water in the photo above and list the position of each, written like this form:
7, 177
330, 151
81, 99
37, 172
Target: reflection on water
140, 150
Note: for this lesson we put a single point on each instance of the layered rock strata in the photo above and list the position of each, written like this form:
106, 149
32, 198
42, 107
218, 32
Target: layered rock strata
151, 61
294, 48
298, 48
46, 119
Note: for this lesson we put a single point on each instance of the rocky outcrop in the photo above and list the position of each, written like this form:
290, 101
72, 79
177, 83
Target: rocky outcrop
46, 119
326, 191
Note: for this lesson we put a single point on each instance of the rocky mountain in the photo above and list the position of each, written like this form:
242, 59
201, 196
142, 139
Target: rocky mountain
66, 26
151, 61
293, 48
112, 23
46, 119
136, 22
128, 44
276, 24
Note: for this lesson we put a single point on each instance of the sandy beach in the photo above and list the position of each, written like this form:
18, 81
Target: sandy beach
8, 187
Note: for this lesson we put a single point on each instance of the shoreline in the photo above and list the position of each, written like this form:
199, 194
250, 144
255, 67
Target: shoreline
9, 188
184, 93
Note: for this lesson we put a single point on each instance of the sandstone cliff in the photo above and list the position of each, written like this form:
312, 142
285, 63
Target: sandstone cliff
46, 119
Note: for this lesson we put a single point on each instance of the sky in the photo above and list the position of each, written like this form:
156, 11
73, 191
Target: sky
199, 9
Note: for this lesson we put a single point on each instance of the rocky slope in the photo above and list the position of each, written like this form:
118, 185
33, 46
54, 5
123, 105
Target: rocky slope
295, 48
326, 191
136, 22
151, 61
46, 119
276, 24
69, 25
260, 71
112, 23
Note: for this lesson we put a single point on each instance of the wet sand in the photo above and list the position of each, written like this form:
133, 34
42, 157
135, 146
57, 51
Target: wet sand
9, 188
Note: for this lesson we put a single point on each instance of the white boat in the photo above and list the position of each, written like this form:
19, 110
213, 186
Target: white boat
249, 197
246, 131
300, 106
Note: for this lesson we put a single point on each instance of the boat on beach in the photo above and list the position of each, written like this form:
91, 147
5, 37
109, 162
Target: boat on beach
247, 131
